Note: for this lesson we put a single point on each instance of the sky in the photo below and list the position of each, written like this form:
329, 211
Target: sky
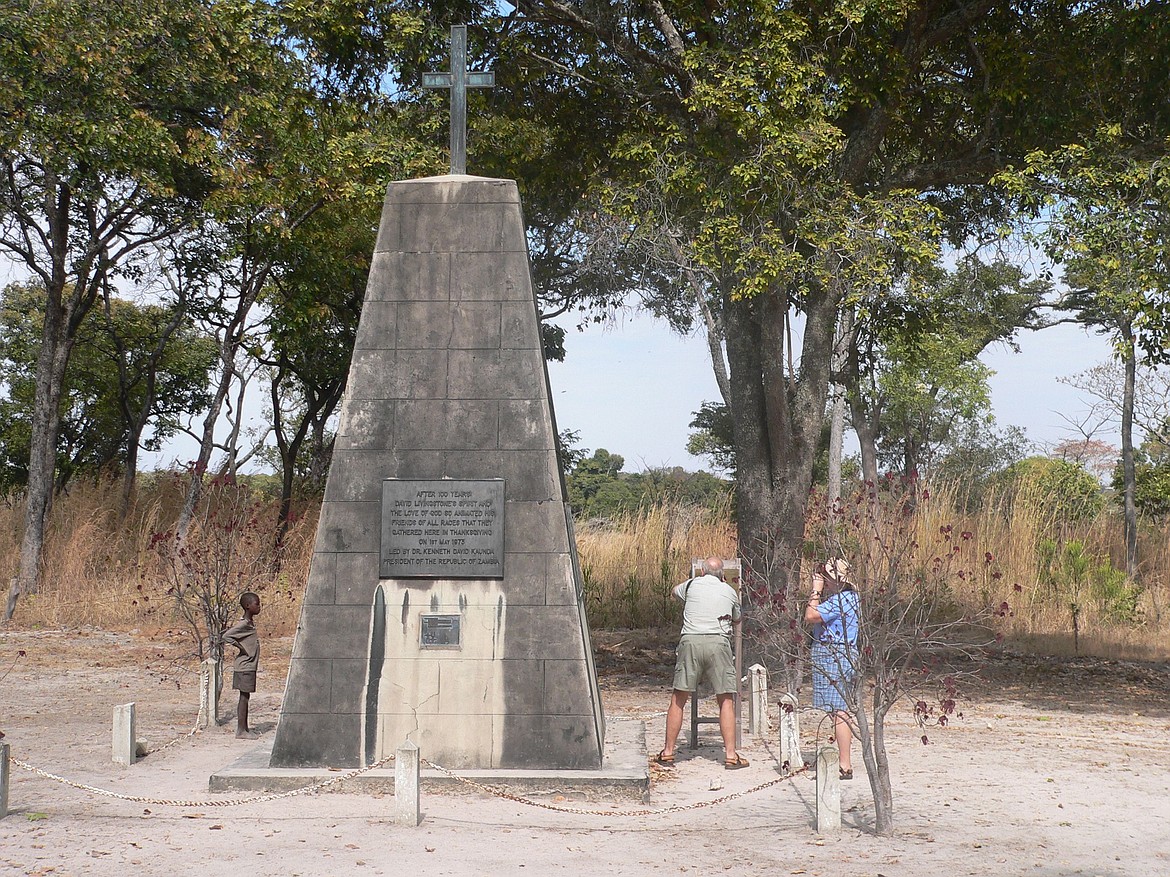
632, 387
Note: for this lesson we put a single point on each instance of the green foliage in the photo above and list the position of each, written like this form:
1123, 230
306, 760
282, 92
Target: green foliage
714, 436
1109, 223
1062, 490
1073, 573
973, 457
1152, 479
569, 450
1115, 594
95, 414
915, 359
598, 488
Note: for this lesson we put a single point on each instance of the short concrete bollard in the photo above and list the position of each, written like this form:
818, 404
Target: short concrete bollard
125, 741
790, 733
5, 772
758, 700
828, 790
208, 694
406, 782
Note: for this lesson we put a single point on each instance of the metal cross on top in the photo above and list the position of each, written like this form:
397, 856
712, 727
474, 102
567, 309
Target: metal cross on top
459, 79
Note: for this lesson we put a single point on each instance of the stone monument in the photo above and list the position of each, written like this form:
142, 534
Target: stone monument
444, 603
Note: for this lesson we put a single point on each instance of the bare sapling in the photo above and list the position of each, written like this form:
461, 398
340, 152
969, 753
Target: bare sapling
915, 643
223, 555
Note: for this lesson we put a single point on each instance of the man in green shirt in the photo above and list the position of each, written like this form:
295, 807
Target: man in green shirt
710, 609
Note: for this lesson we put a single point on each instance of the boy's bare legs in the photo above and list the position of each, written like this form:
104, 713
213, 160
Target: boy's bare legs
242, 716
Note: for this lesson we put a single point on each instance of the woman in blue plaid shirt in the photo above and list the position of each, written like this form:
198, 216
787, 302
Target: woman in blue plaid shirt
833, 610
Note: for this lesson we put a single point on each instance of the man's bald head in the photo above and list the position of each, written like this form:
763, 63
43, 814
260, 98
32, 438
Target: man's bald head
714, 567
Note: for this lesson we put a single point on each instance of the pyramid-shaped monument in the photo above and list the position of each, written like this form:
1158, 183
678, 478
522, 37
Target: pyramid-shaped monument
444, 602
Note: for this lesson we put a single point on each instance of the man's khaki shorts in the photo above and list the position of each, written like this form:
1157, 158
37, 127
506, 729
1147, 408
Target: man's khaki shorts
707, 658
244, 681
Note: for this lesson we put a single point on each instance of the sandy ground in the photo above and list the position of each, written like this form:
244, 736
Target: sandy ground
1055, 768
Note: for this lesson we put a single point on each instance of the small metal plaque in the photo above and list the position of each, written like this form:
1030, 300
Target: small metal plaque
442, 529
440, 632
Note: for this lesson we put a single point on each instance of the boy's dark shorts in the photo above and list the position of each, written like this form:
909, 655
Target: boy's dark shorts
244, 682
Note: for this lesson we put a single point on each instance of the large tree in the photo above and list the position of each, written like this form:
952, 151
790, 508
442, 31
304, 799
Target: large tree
111, 114
313, 154
131, 366
789, 155
1106, 208
913, 372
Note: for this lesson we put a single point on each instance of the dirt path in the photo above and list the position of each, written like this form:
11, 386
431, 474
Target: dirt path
1055, 768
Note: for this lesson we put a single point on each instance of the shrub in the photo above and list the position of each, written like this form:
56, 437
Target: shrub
1066, 490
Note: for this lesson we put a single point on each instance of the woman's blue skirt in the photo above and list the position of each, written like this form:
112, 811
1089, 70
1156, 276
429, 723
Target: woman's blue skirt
834, 668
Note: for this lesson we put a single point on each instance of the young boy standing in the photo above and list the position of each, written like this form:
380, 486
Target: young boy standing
244, 637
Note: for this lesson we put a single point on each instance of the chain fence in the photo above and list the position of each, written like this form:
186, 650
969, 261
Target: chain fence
356, 772
644, 811
213, 802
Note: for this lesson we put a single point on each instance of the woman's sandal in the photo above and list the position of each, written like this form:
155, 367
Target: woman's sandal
736, 763
664, 759
846, 774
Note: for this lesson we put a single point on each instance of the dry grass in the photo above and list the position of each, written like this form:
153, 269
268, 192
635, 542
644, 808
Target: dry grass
630, 564
1041, 618
102, 573
105, 573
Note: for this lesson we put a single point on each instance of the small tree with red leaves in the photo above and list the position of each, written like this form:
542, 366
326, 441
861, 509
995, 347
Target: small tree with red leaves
916, 644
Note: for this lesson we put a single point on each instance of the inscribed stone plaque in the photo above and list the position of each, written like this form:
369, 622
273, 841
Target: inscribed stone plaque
440, 632
442, 529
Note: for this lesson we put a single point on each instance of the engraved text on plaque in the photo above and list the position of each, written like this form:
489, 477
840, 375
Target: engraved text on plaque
442, 529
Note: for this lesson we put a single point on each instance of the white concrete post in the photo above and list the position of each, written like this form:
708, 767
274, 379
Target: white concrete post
208, 693
5, 772
828, 790
125, 741
758, 700
790, 733
406, 781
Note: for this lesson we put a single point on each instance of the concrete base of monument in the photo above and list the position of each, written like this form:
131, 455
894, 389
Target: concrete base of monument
624, 774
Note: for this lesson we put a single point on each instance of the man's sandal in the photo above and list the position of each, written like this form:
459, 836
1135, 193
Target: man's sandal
846, 774
664, 759
736, 763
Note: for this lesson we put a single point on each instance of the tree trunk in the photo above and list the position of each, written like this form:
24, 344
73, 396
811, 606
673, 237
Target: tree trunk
872, 739
866, 430
252, 281
64, 308
206, 443
777, 422
321, 453
54, 355
842, 344
129, 476
883, 793
1127, 464
836, 441
289, 449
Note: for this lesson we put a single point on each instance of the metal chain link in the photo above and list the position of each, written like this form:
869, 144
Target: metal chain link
215, 802
677, 808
